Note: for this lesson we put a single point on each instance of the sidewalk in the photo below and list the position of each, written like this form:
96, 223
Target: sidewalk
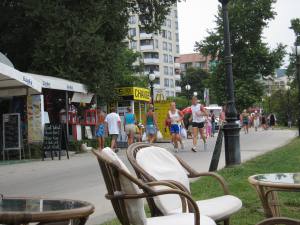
80, 177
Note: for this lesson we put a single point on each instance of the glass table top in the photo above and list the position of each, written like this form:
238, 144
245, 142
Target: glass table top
37, 205
280, 178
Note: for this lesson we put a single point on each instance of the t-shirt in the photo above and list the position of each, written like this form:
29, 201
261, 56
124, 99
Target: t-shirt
197, 114
113, 120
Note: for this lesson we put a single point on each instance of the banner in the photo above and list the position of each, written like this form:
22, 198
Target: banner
35, 118
134, 93
161, 111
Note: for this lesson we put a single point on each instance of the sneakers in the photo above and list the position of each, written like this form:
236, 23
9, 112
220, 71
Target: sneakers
176, 150
194, 149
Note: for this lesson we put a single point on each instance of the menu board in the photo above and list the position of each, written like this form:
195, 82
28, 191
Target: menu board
11, 131
54, 140
35, 115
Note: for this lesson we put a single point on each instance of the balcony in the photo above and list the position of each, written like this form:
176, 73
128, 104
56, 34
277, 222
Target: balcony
156, 86
177, 77
147, 48
146, 36
177, 65
156, 73
178, 89
151, 61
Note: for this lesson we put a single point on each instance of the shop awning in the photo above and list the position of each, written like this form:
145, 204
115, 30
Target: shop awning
15, 83
59, 83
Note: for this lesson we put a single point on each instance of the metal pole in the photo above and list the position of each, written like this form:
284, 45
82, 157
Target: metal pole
152, 92
231, 128
67, 115
298, 78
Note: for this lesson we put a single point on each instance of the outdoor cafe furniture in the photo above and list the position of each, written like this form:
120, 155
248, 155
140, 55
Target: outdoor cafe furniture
154, 164
126, 194
279, 220
43, 211
267, 186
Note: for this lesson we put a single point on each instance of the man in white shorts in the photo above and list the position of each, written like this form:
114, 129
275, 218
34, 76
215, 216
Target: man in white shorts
198, 121
113, 127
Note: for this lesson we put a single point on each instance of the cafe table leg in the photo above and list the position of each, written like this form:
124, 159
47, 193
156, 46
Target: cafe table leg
273, 201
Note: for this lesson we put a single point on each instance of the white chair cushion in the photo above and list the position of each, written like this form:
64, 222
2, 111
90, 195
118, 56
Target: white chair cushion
162, 165
220, 207
135, 207
179, 219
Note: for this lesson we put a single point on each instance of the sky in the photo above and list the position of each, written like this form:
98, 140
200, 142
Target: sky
197, 16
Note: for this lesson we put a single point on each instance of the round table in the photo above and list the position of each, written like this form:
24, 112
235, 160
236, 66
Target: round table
40, 210
267, 186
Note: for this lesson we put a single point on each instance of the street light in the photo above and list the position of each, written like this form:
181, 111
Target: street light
195, 93
296, 51
151, 77
231, 128
289, 119
188, 88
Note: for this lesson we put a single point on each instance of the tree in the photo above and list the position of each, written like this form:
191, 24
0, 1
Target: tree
77, 40
252, 58
195, 77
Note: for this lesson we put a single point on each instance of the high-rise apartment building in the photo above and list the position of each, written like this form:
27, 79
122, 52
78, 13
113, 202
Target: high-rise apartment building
159, 52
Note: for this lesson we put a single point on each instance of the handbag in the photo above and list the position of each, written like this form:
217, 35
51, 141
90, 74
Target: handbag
183, 133
159, 135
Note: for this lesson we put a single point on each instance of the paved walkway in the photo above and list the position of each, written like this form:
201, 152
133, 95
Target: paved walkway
80, 178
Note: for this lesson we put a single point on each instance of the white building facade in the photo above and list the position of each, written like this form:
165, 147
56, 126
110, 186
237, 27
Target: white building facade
159, 52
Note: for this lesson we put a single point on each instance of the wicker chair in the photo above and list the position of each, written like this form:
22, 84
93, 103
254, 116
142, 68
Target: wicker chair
209, 207
115, 173
279, 220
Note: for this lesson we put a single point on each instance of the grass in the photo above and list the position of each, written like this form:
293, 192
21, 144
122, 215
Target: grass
284, 159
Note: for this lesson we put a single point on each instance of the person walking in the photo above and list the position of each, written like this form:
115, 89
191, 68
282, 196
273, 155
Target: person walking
100, 131
256, 121
272, 121
264, 122
198, 121
175, 117
113, 127
245, 121
129, 125
151, 124
213, 122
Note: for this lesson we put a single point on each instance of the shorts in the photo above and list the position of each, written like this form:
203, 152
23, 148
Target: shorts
175, 129
198, 125
100, 132
130, 129
150, 130
245, 123
114, 136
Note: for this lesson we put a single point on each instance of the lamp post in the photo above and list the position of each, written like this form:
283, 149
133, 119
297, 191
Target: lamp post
289, 121
188, 88
151, 77
269, 102
231, 128
195, 93
296, 51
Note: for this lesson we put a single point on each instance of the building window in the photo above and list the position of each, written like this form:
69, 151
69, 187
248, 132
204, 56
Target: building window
166, 59
164, 33
171, 71
156, 81
170, 59
132, 32
133, 44
169, 35
166, 70
167, 93
177, 49
132, 20
170, 47
172, 83
151, 55
169, 23
165, 46
176, 25
146, 42
167, 84
177, 37
156, 43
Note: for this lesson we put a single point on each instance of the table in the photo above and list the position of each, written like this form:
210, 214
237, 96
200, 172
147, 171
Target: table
41, 210
267, 186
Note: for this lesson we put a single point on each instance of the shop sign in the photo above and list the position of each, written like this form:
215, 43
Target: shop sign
35, 118
140, 94
27, 80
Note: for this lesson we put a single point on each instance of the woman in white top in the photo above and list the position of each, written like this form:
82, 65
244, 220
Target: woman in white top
198, 121
175, 118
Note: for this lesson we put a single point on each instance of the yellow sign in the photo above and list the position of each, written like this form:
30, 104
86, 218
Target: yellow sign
141, 94
161, 110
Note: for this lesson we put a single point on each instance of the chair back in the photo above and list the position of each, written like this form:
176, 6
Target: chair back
154, 163
118, 180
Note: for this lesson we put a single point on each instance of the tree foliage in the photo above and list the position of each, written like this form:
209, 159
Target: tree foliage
252, 58
195, 77
77, 40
